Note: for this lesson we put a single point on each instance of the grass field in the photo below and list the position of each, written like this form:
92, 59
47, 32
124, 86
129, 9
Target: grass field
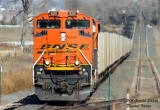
16, 80
17, 73
14, 34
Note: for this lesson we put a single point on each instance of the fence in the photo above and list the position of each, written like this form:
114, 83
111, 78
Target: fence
27, 50
13, 26
17, 43
11, 54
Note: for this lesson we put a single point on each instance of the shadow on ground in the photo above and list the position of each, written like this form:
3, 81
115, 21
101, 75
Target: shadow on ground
33, 100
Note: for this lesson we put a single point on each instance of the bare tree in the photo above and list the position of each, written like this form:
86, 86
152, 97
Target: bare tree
26, 5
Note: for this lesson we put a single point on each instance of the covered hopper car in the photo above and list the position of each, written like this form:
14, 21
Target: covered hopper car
71, 56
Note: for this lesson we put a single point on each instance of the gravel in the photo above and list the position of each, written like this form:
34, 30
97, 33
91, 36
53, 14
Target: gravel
12, 100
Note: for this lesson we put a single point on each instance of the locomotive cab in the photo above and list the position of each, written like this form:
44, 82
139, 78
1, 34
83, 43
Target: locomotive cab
64, 44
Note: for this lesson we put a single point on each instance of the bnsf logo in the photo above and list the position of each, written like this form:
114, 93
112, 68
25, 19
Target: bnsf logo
64, 46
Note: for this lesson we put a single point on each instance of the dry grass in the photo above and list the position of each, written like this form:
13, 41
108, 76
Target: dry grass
109, 28
112, 28
17, 73
16, 80
20, 62
5, 46
14, 34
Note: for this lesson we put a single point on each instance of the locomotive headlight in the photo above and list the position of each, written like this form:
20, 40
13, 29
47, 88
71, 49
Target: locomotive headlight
83, 69
47, 62
63, 37
76, 63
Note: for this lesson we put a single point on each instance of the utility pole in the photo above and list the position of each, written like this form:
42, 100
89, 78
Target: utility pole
109, 91
140, 13
140, 44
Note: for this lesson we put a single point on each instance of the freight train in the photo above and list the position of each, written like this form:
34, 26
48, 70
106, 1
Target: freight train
71, 55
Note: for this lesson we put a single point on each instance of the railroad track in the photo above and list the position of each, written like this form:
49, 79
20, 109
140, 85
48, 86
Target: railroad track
100, 105
153, 68
139, 65
103, 105
151, 64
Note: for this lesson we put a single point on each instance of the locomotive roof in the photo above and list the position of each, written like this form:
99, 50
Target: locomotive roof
63, 14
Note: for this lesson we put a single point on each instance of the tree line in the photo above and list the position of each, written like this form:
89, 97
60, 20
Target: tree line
106, 11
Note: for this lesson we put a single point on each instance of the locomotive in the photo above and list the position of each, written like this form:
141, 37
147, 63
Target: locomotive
65, 53
71, 55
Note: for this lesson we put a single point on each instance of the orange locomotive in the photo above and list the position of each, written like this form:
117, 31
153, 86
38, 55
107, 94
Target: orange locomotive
65, 55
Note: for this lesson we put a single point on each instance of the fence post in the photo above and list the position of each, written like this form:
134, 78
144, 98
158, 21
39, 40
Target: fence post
109, 93
15, 53
127, 99
21, 49
0, 81
10, 54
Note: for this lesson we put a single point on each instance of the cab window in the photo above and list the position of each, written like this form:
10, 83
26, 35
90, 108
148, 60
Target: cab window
48, 24
77, 24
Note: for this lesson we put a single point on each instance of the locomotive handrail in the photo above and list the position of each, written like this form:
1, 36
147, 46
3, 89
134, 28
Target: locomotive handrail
37, 62
87, 62
55, 57
69, 58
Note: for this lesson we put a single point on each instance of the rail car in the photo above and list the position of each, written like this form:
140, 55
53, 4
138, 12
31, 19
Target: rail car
71, 55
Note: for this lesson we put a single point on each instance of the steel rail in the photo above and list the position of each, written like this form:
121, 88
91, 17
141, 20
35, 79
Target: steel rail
139, 65
150, 62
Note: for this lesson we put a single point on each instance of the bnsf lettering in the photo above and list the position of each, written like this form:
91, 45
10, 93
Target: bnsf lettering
44, 46
64, 46
72, 46
60, 47
84, 46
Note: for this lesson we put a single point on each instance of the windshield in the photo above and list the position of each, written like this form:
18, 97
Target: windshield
48, 24
77, 24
